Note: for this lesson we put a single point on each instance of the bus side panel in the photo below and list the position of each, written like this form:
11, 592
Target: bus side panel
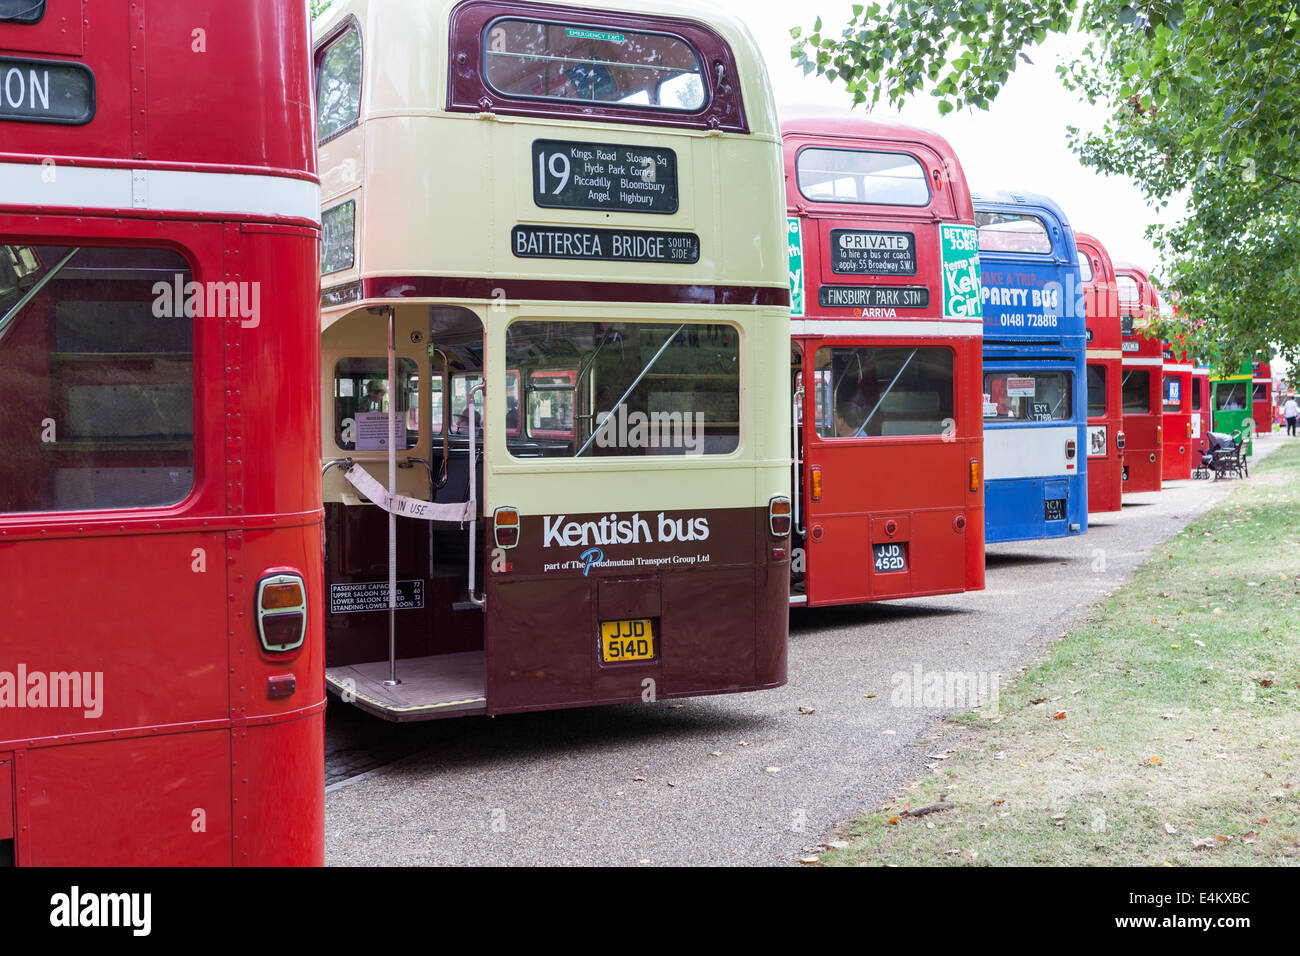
1142, 456
1014, 510
171, 670
284, 813
139, 801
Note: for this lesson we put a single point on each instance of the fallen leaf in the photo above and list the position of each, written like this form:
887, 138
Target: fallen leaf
893, 819
809, 859
1170, 829
638, 779
715, 753
1060, 716
1156, 762
807, 710
1251, 837
772, 769
1223, 839
1205, 844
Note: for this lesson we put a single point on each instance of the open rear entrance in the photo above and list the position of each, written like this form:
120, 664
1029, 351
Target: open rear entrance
423, 657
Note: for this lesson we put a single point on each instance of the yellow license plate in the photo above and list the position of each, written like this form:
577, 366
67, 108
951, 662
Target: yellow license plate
626, 641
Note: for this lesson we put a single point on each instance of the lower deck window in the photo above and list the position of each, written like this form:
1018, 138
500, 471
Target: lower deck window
884, 392
96, 378
1027, 396
1137, 392
596, 389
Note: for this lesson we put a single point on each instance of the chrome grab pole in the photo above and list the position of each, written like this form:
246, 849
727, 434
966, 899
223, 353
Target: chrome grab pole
392, 490
796, 465
475, 599
7, 320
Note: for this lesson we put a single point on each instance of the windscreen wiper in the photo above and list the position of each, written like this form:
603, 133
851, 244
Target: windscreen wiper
7, 321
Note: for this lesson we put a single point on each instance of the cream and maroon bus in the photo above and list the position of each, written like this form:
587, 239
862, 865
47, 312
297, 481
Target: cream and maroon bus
555, 417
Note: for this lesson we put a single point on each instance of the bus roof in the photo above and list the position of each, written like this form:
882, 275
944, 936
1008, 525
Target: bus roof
409, 29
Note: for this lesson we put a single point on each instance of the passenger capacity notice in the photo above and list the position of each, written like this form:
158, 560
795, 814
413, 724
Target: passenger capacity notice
617, 245
373, 596
601, 176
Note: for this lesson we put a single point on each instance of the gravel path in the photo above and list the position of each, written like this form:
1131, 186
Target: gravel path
736, 779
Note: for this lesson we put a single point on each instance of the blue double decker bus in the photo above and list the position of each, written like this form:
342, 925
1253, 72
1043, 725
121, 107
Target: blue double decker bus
1035, 393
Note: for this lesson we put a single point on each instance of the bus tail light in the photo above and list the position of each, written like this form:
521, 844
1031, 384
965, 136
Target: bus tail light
1071, 449
816, 483
1189, 429
974, 474
505, 526
281, 612
778, 516
1120, 440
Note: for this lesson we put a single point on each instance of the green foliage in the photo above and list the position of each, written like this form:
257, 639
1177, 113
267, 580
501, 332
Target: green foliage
1201, 98
319, 6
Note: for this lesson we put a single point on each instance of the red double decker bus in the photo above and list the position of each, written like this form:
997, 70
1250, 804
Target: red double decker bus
161, 675
1106, 438
1181, 452
886, 326
1143, 366
1262, 403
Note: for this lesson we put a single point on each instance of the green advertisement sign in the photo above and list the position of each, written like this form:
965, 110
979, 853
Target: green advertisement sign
794, 236
960, 260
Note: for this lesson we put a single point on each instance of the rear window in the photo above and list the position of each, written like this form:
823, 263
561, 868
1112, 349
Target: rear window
1128, 288
1230, 397
884, 393
861, 176
1136, 390
1173, 392
21, 11
1012, 232
338, 85
1027, 396
1096, 391
1085, 267
587, 64
96, 377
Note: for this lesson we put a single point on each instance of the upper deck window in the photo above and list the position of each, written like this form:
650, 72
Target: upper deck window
557, 61
1085, 267
861, 176
1012, 232
21, 11
338, 85
1128, 289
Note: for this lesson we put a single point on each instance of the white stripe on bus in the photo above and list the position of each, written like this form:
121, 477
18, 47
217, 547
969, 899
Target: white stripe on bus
1031, 452
51, 186
902, 328
1143, 361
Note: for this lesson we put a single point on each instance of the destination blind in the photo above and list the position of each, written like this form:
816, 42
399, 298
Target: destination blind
601, 176
46, 91
615, 245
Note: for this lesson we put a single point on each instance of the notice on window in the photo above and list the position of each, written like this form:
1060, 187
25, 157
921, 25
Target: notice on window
604, 176
373, 596
1022, 387
372, 431
872, 252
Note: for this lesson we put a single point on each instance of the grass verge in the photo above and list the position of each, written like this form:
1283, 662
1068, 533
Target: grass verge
1164, 731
